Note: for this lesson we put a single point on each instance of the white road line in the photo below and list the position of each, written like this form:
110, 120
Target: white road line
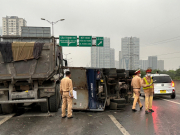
37, 114
6, 118
171, 101
121, 128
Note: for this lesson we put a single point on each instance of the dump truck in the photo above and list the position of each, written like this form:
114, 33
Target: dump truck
32, 81
101, 88
38, 80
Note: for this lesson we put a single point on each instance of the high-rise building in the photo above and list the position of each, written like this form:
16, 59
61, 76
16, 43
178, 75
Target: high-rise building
120, 59
29, 31
130, 53
143, 64
112, 58
94, 57
160, 65
0, 31
11, 25
100, 56
152, 62
106, 53
117, 64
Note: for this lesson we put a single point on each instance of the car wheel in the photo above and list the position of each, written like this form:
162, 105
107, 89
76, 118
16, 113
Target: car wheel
173, 96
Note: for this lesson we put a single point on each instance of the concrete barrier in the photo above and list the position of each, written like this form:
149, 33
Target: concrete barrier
177, 85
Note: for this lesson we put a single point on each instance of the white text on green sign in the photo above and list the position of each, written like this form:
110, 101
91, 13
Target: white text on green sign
68, 41
85, 41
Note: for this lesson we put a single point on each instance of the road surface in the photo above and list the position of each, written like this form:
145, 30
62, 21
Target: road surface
164, 121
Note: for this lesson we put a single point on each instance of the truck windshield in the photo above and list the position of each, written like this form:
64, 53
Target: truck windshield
161, 79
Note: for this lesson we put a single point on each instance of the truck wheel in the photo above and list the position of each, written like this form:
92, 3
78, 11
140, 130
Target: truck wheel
131, 72
0, 110
54, 101
106, 71
44, 107
120, 70
7, 108
59, 96
122, 75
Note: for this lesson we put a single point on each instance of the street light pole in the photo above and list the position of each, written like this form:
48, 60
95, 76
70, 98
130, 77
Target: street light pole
52, 29
52, 24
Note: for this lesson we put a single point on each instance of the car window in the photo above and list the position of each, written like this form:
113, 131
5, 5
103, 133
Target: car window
161, 79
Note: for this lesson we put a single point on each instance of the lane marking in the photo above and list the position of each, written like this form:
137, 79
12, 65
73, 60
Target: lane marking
37, 114
121, 128
6, 118
171, 101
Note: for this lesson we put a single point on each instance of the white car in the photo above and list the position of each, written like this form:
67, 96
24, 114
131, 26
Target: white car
163, 85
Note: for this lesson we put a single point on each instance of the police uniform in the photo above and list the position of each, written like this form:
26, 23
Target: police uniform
136, 84
148, 90
66, 89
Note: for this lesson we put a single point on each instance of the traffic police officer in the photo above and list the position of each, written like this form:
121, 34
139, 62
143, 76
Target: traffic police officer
148, 88
136, 84
66, 90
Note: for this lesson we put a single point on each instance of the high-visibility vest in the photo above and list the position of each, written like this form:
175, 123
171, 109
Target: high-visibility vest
148, 83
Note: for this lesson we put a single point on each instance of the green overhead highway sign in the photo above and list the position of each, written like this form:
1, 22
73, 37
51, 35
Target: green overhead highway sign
68, 41
99, 41
85, 41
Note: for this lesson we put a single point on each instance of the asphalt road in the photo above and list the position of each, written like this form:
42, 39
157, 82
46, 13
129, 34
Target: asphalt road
164, 121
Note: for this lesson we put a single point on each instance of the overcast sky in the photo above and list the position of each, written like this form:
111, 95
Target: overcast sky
150, 20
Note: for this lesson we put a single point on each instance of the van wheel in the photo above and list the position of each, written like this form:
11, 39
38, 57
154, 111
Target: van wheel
173, 96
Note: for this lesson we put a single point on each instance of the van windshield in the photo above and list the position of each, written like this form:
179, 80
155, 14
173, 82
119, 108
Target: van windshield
161, 79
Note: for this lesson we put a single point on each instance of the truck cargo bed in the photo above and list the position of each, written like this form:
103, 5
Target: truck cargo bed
33, 69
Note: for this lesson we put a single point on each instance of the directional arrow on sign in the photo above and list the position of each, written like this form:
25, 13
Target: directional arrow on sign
100, 43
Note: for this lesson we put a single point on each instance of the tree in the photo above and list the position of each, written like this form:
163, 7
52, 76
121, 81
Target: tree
143, 73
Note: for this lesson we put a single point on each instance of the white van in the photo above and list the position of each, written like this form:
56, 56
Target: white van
163, 85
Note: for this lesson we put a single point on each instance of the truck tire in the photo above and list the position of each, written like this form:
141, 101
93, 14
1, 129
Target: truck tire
121, 75
7, 108
0, 109
120, 70
59, 95
131, 72
106, 71
44, 107
54, 101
